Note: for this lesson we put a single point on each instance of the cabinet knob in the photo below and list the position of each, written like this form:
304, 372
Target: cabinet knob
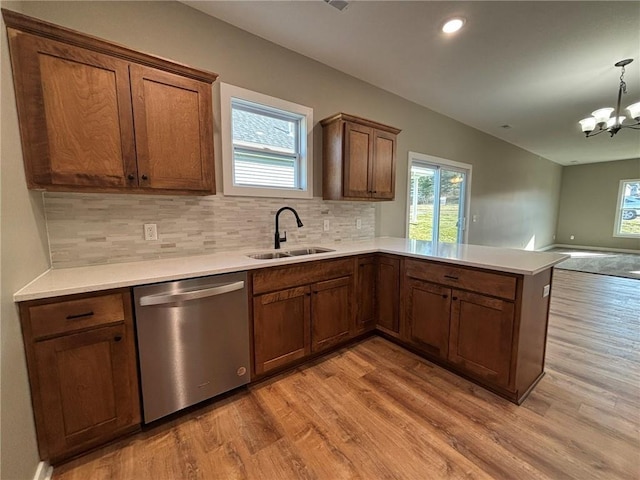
131, 176
117, 338
144, 177
445, 296
454, 298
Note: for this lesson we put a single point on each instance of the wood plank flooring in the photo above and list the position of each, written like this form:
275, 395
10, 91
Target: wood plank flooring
376, 411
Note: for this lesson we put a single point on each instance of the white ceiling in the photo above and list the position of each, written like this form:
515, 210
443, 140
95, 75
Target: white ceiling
536, 66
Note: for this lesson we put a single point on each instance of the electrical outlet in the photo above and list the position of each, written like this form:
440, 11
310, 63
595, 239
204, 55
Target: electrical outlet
546, 290
474, 218
150, 231
325, 227
358, 223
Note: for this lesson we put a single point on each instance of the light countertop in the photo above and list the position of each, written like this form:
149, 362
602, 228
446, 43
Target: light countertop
67, 281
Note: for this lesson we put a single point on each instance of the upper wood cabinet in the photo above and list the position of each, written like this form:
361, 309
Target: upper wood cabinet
98, 117
359, 159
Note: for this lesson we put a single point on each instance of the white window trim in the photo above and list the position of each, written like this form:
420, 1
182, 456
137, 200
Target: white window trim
429, 159
619, 203
227, 93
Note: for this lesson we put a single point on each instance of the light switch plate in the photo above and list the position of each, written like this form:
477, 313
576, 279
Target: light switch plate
546, 290
326, 226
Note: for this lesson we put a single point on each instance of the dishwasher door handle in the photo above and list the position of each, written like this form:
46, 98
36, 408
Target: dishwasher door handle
191, 294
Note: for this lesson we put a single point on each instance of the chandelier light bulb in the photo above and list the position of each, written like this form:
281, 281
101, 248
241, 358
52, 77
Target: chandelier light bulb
612, 121
602, 115
588, 124
634, 111
453, 25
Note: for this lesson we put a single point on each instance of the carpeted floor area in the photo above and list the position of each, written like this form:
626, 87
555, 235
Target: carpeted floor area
617, 264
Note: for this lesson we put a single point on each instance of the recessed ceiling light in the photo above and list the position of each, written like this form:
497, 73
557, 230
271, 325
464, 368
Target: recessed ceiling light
453, 25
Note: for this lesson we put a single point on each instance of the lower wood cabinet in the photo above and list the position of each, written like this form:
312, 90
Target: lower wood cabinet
331, 319
428, 308
281, 328
313, 313
480, 340
366, 293
82, 369
388, 294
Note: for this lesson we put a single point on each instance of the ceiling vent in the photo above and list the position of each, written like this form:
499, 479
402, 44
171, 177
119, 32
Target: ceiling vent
339, 4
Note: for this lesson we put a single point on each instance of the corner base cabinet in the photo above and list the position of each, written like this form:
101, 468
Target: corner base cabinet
82, 369
488, 326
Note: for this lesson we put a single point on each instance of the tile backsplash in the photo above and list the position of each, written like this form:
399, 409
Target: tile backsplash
89, 229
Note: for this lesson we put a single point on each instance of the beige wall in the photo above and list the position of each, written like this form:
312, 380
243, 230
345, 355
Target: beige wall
588, 203
514, 193
24, 255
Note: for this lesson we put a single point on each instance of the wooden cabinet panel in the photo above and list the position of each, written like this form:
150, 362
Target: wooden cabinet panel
77, 97
481, 336
83, 376
489, 283
331, 312
383, 166
281, 328
358, 151
287, 276
359, 159
75, 115
173, 130
85, 387
72, 315
388, 293
366, 294
428, 309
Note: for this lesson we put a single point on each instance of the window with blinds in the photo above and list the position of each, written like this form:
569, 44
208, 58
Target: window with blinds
266, 154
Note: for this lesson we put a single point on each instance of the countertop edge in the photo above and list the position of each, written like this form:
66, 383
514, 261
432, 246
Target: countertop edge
243, 263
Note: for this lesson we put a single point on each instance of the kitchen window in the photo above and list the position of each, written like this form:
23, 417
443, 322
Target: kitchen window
267, 145
627, 221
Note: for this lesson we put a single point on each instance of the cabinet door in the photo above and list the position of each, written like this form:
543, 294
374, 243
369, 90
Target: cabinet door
74, 107
173, 130
358, 151
331, 318
481, 336
366, 296
388, 294
383, 168
86, 388
428, 309
281, 328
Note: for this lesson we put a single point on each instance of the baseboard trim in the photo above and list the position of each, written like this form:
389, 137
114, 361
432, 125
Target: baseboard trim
43, 472
600, 249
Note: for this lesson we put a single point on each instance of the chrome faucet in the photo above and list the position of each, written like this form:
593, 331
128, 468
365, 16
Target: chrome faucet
284, 239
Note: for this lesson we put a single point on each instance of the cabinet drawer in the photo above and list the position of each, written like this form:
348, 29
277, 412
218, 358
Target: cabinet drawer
279, 278
494, 284
71, 315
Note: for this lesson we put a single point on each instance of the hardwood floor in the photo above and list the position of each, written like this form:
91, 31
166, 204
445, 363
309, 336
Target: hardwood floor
375, 411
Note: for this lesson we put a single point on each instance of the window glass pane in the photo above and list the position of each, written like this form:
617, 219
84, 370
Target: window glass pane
421, 207
263, 130
630, 211
450, 205
264, 169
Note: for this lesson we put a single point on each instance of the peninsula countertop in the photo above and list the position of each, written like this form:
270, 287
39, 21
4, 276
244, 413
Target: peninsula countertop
66, 281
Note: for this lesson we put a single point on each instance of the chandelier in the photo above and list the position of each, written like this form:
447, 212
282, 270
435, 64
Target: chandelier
602, 121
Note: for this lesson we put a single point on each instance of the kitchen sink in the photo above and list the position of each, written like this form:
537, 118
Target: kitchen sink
290, 253
309, 251
269, 255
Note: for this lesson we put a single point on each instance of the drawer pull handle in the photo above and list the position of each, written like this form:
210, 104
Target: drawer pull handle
451, 277
79, 315
117, 338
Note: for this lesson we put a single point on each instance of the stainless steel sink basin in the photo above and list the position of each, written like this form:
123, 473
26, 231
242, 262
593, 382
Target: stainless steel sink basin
269, 255
308, 251
289, 253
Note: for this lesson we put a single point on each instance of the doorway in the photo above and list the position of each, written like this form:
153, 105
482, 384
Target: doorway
438, 199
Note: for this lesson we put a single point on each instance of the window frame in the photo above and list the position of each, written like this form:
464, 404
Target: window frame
618, 215
271, 106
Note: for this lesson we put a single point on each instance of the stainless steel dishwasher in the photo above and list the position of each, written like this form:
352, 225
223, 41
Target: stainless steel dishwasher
193, 341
